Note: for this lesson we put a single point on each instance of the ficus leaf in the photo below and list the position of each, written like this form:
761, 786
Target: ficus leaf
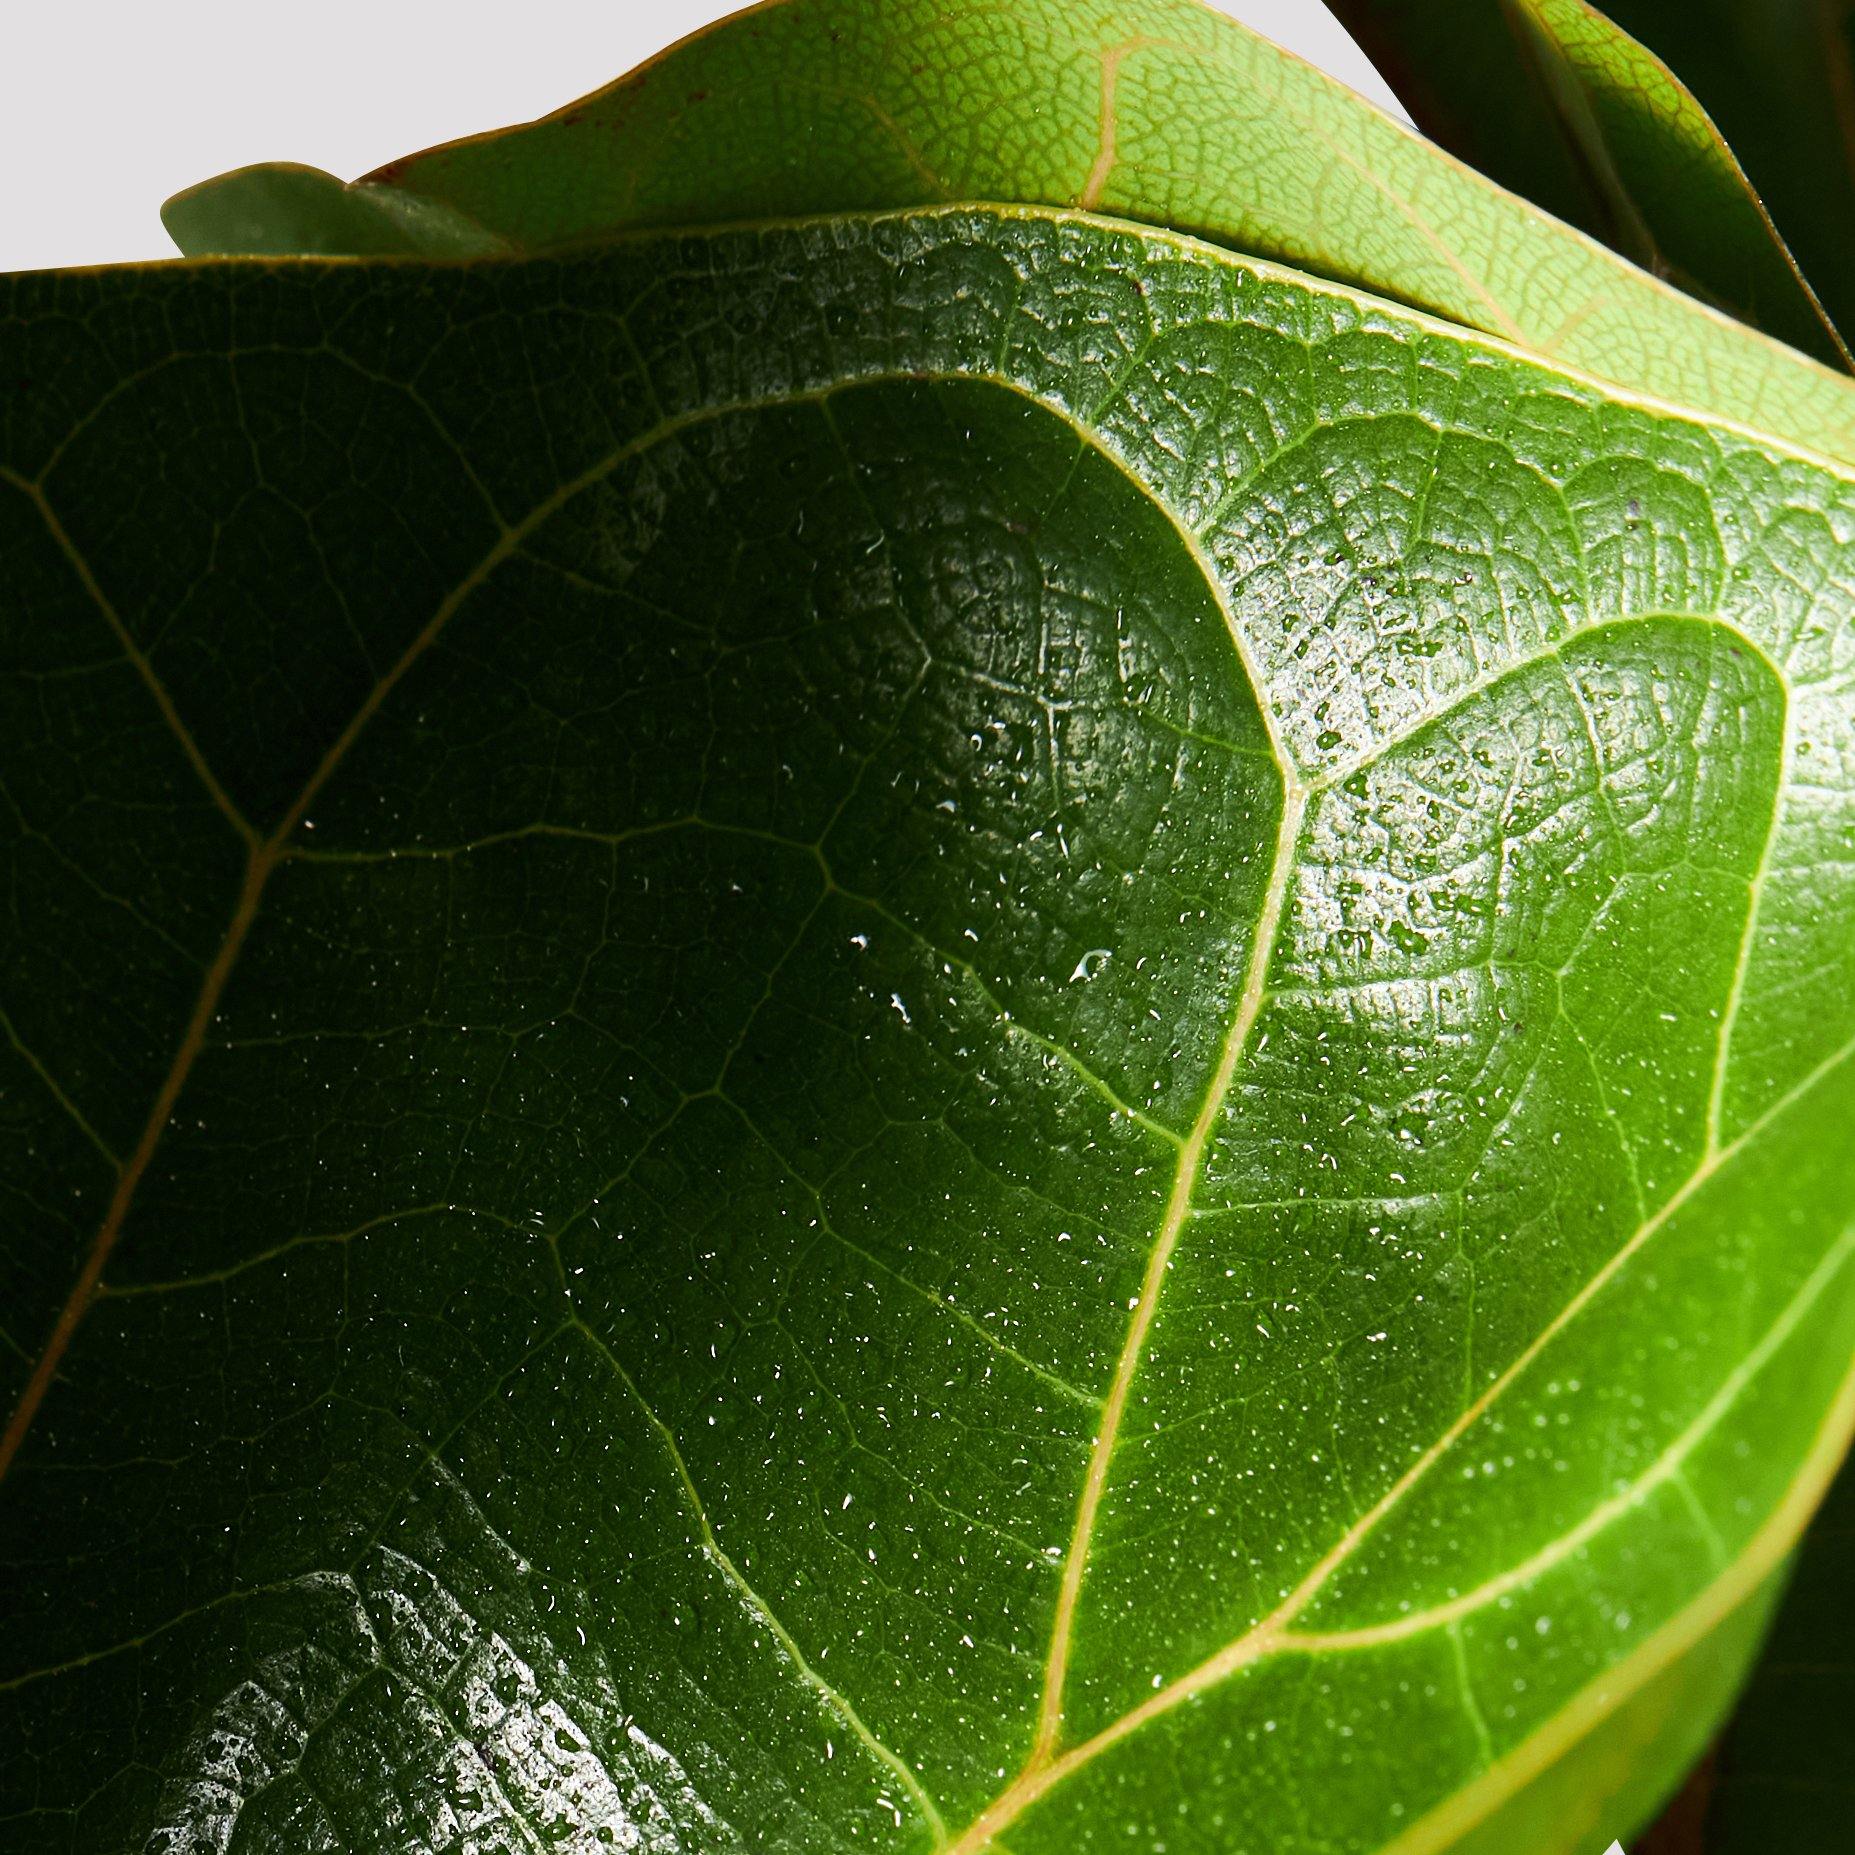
976, 996
942, 1030
1778, 76
1617, 1774
1554, 99
1155, 110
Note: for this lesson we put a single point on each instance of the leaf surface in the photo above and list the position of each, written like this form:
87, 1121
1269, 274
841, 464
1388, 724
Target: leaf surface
1556, 101
943, 1031
1157, 110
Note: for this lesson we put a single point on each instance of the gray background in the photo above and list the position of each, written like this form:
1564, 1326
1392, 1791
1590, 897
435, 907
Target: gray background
108, 107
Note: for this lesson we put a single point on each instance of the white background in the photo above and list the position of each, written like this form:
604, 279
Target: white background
108, 106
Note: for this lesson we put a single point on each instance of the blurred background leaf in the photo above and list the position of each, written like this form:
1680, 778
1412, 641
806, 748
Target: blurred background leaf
1778, 77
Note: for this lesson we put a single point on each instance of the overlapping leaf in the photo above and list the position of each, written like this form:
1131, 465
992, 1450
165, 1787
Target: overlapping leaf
1779, 79
1554, 99
1158, 110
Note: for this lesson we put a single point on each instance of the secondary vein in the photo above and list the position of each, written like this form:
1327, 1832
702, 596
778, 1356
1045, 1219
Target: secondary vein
717, 1556
1159, 1261
1273, 1634
133, 652
267, 853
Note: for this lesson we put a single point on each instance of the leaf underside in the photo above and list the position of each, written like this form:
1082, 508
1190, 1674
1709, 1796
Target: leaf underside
890, 1031
1162, 111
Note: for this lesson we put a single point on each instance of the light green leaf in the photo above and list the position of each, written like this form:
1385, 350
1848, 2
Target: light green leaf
955, 1030
1553, 99
1157, 110
1620, 1765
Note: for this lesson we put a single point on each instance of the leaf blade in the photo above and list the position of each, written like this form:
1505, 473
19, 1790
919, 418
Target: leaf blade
1166, 113
531, 1540
1607, 137
1776, 79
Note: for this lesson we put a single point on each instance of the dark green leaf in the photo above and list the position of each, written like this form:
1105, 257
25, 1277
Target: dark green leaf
1778, 76
1782, 1783
851, 1035
1551, 98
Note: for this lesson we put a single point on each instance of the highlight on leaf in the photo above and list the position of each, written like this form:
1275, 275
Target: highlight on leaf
937, 942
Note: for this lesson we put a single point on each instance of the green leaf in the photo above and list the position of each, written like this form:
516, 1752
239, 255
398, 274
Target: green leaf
895, 1031
285, 207
1158, 110
1551, 98
1620, 1770
1778, 76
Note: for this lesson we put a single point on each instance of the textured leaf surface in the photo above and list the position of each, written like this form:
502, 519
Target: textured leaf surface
1158, 110
872, 1034
1556, 101
1619, 1773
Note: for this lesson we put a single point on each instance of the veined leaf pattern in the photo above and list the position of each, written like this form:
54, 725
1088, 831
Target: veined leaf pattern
943, 1031
1162, 111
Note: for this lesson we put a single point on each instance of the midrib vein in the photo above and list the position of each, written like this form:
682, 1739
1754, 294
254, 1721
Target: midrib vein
261, 863
89, 1278
1159, 1261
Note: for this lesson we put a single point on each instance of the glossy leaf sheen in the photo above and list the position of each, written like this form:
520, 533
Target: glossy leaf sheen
1157, 110
1557, 101
895, 1031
